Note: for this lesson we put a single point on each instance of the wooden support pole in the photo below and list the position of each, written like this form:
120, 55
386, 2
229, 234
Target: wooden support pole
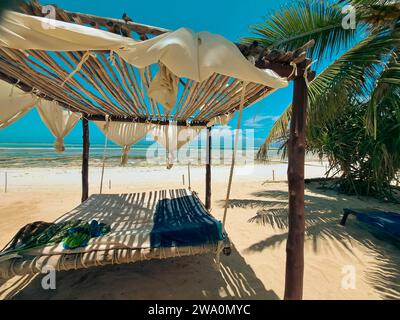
208, 170
85, 159
103, 165
189, 182
296, 156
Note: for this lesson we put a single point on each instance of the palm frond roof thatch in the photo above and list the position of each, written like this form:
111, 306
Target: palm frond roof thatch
106, 85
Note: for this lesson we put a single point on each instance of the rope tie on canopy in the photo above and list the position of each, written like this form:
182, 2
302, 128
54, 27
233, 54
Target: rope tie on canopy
59, 145
170, 158
305, 75
124, 156
35, 91
79, 66
106, 126
294, 71
58, 120
12, 88
111, 57
242, 100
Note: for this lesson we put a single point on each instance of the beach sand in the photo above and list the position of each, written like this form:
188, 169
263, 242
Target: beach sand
256, 267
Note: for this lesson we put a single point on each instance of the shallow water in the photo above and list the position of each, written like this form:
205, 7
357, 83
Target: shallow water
16, 155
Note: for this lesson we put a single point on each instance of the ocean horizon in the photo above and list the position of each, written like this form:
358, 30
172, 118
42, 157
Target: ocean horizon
142, 154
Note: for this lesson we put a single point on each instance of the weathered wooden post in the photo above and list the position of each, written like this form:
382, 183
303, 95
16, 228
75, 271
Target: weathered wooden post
208, 170
85, 159
189, 178
296, 157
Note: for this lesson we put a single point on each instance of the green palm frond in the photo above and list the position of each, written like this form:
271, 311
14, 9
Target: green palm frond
391, 75
346, 79
377, 13
354, 104
364, 61
278, 132
350, 77
386, 90
301, 21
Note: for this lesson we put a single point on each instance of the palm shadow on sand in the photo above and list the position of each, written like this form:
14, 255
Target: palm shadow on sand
323, 214
179, 278
190, 277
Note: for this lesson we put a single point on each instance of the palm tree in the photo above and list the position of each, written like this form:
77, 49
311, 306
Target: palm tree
365, 73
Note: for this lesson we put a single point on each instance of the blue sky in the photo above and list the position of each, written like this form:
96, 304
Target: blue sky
230, 18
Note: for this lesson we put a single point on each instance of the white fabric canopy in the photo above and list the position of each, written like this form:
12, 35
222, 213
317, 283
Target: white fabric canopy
164, 88
124, 134
197, 56
21, 31
58, 120
173, 137
185, 53
14, 103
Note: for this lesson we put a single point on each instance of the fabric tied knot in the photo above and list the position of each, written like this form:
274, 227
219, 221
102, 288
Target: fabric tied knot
59, 145
164, 88
124, 156
170, 161
79, 66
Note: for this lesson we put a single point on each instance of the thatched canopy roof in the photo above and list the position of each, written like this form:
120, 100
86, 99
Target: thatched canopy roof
107, 85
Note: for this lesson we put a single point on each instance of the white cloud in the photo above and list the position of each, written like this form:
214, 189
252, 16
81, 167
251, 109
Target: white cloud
222, 131
259, 121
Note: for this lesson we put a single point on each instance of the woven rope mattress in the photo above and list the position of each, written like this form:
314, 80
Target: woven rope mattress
144, 226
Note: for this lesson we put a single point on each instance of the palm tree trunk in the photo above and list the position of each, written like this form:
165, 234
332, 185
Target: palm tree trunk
296, 156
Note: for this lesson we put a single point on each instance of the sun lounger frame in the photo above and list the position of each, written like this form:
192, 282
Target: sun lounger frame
100, 256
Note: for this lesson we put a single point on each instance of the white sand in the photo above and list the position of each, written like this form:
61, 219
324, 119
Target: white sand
254, 270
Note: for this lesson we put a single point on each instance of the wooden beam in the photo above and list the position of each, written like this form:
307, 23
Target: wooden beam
296, 157
94, 117
208, 170
85, 159
276, 60
100, 117
284, 70
35, 8
136, 27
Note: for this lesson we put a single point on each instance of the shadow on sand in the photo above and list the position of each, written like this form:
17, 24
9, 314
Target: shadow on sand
323, 214
190, 277
193, 277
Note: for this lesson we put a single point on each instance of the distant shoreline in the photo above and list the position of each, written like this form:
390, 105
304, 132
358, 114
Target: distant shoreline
23, 155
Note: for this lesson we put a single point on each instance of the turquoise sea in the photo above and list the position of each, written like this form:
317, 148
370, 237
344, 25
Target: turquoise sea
13, 155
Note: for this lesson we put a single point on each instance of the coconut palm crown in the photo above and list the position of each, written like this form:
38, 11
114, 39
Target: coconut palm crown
365, 35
